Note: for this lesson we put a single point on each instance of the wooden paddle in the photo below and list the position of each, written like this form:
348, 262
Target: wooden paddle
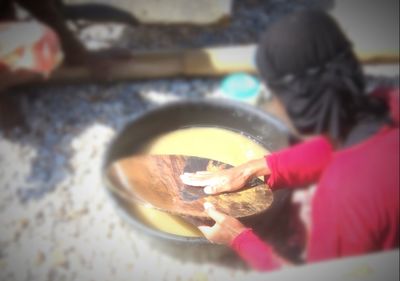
153, 180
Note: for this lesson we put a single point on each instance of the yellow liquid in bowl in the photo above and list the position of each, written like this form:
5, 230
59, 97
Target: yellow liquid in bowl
214, 143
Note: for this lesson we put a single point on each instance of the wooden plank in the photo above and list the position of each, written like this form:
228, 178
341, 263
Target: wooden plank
170, 11
196, 62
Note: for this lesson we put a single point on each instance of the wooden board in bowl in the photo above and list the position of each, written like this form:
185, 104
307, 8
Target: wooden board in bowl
154, 180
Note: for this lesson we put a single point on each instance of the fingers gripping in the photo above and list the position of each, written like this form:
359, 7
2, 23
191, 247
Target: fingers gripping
225, 228
210, 232
218, 217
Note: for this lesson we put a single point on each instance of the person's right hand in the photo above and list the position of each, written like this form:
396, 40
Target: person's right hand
226, 180
225, 229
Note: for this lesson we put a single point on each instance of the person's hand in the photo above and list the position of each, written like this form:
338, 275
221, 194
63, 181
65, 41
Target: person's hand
227, 180
224, 230
216, 182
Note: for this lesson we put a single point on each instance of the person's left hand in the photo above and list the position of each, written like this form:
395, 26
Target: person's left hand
224, 230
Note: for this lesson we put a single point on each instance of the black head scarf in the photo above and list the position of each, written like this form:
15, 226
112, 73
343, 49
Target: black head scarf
308, 62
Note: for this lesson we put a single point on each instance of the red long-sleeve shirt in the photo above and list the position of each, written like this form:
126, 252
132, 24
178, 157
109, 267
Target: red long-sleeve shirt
355, 209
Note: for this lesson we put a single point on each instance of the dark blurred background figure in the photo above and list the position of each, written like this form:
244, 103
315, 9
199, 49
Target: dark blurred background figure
30, 56
31, 50
54, 13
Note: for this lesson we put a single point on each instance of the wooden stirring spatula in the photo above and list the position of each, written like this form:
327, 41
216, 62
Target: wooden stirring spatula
154, 180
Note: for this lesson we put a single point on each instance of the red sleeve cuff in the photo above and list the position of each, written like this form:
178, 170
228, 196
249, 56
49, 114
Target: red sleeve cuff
255, 252
235, 244
299, 165
271, 180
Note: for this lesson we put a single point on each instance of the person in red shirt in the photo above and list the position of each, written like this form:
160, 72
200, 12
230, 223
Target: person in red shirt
353, 155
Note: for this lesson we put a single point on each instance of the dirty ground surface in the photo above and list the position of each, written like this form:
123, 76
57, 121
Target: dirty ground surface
56, 220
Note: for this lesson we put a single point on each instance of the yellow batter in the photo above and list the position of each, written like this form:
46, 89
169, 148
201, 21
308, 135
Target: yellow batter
214, 143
